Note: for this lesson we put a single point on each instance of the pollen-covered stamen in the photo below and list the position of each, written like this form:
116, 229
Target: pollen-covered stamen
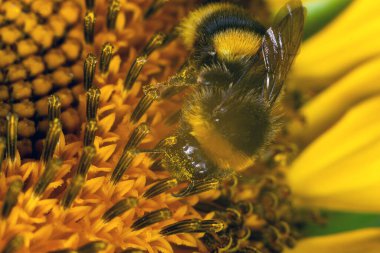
160, 187
51, 140
12, 123
89, 132
92, 247
122, 165
154, 7
144, 104
85, 160
119, 208
157, 41
92, 103
134, 71
193, 226
196, 188
137, 136
113, 10
105, 57
152, 218
14, 244
11, 197
89, 27
90, 4
54, 107
73, 191
89, 68
47, 176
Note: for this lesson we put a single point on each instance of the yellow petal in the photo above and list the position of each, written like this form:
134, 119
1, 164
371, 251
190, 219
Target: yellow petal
365, 241
321, 112
343, 160
346, 42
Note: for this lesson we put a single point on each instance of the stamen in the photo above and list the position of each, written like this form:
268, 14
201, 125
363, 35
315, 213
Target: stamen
92, 97
137, 136
92, 247
196, 188
90, 4
151, 218
119, 208
47, 176
193, 226
155, 42
113, 10
73, 191
12, 122
160, 187
269, 200
134, 71
89, 70
14, 244
89, 132
64, 251
11, 197
51, 141
154, 7
2, 151
144, 104
122, 165
85, 160
105, 57
54, 107
89, 27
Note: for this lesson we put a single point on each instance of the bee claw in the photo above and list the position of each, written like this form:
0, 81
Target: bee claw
160, 187
197, 187
151, 218
193, 226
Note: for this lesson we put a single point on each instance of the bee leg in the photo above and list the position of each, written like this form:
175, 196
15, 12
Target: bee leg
197, 187
193, 226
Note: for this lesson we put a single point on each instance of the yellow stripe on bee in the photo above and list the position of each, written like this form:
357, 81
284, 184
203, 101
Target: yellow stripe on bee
234, 44
189, 26
217, 148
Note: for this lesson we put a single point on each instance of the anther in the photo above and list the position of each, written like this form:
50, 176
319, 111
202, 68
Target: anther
134, 71
90, 4
137, 136
92, 97
154, 7
143, 105
119, 208
54, 107
47, 176
51, 141
11, 197
105, 57
122, 165
113, 10
151, 218
193, 226
12, 122
14, 244
89, 132
89, 27
92, 247
155, 42
197, 187
89, 70
160, 187
73, 191
85, 160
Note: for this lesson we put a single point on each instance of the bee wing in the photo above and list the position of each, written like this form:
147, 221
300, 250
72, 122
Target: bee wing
279, 47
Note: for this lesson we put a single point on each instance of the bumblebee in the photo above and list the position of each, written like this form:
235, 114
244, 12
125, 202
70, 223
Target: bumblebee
236, 69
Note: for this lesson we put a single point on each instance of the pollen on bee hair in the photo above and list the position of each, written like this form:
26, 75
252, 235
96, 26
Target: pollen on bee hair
119, 208
152, 218
105, 57
113, 10
89, 68
11, 196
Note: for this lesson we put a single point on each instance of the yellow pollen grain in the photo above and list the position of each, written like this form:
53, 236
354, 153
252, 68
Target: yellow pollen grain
234, 44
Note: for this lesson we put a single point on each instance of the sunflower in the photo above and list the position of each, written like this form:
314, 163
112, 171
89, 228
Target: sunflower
75, 117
